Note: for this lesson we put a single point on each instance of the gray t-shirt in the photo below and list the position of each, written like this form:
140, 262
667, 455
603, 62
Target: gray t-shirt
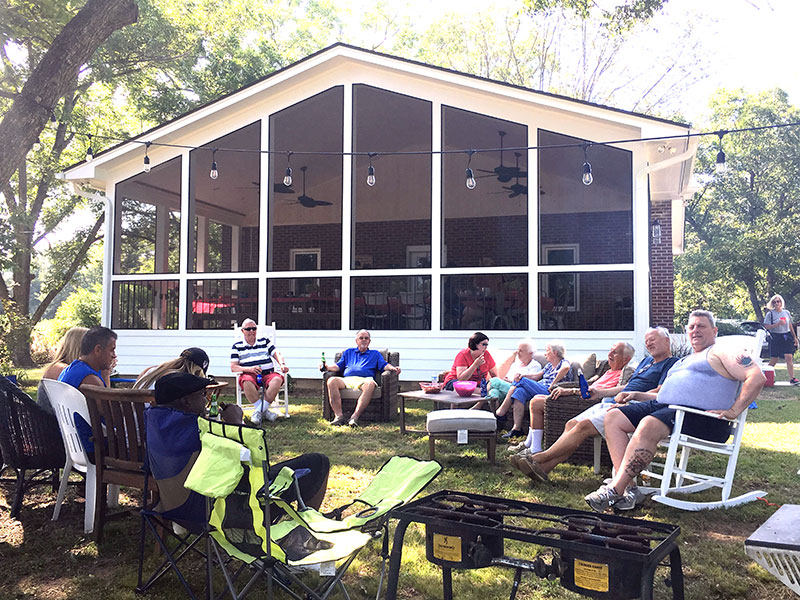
774, 316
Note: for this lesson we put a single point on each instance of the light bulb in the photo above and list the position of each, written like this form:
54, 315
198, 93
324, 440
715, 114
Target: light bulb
673, 150
146, 164
587, 174
721, 165
214, 173
89, 151
371, 176
661, 149
287, 179
470, 182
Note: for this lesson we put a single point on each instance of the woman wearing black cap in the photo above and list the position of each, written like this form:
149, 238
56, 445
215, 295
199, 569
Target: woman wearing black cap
191, 360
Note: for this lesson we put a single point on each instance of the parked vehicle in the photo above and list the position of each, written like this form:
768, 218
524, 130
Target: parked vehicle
735, 327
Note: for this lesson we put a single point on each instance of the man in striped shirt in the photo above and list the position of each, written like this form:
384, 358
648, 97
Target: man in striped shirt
256, 359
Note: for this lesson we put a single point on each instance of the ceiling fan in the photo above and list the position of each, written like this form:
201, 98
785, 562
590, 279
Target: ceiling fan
516, 189
308, 201
504, 173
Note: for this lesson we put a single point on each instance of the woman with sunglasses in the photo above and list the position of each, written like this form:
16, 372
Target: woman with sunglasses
473, 363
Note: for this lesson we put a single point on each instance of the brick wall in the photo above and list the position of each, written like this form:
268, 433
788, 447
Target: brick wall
662, 274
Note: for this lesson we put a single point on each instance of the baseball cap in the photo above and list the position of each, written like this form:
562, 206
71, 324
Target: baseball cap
198, 356
174, 386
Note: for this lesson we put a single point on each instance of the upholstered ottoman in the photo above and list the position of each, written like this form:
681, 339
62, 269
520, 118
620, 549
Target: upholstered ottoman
462, 425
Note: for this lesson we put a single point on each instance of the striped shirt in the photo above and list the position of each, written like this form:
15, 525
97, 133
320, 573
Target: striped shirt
259, 354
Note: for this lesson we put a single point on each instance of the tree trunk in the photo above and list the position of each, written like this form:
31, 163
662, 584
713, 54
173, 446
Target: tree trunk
56, 74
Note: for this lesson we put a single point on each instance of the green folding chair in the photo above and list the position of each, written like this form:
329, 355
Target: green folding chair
232, 470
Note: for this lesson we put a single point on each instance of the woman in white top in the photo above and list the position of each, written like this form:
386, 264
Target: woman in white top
783, 339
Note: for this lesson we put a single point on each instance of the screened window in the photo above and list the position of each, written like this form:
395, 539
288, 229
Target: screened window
394, 215
488, 225
148, 220
221, 303
224, 227
299, 303
309, 210
586, 301
144, 305
391, 302
595, 219
485, 301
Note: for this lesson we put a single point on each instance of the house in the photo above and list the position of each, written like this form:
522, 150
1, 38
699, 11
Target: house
335, 194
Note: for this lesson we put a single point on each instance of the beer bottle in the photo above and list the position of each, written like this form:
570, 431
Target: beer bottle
322, 367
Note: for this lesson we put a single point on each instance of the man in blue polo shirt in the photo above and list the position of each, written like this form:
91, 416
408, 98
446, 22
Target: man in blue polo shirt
358, 367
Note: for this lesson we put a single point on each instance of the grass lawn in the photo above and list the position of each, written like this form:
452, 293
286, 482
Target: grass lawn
54, 560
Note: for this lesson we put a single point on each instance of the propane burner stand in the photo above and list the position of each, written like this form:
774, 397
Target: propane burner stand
596, 555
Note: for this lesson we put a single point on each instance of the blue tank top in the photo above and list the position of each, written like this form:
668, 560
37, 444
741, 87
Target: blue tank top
693, 382
74, 375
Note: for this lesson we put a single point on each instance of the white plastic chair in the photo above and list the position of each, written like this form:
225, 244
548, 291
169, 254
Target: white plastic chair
66, 402
674, 473
281, 403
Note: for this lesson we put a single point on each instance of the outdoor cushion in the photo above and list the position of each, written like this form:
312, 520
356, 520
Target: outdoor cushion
442, 421
589, 366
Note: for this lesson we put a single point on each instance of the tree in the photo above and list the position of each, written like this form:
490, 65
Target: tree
743, 234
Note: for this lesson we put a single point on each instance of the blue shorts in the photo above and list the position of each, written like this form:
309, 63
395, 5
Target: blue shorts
699, 426
527, 389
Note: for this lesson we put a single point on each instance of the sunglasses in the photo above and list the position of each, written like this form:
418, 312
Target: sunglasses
249, 328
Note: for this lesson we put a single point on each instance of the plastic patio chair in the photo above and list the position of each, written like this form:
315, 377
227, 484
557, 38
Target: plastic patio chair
280, 405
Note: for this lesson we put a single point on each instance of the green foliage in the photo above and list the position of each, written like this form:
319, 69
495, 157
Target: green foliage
81, 308
621, 17
743, 227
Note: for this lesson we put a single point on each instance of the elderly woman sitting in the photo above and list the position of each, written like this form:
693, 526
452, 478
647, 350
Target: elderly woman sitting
524, 364
527, 386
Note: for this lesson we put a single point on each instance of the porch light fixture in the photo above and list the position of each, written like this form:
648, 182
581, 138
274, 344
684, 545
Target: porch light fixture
214, 173
587, 167
655, 231
287, 179
89, 151
470, 181
721, 167
371, 171
146, 158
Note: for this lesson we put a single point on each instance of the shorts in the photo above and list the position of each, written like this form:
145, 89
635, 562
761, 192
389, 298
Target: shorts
353, 382
527, 389
699, 426
498, 388
596, 414
780, 344
265, 379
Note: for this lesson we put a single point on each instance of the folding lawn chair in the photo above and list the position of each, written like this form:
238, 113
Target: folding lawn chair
179, 515
281, 403
233, 467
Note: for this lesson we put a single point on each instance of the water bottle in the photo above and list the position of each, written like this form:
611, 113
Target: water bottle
435, 380
484, 386
322, 367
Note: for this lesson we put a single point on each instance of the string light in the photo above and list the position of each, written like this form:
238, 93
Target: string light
470, 181
214, 173
89, 151
587, 178
146, 158
287, 179
721, 167
371, 171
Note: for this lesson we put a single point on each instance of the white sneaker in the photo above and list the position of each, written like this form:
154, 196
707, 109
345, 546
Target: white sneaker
255, 418
517, 448
269, 415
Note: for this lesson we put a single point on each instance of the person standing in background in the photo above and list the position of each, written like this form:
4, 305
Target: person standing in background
783, 339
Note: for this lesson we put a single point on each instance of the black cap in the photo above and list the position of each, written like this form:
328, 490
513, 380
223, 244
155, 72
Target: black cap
198, 356
175, 386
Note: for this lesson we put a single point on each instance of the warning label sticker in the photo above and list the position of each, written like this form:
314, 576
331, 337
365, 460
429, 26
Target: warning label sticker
447, 547
591, 576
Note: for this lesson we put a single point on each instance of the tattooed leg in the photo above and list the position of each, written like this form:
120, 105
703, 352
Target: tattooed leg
638, 462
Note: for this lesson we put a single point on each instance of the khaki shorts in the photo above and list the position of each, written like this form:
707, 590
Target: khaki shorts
355, 383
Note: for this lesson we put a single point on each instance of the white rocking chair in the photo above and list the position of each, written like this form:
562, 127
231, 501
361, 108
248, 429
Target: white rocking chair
281, 403
688, 482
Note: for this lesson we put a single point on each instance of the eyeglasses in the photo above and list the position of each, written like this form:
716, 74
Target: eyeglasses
483, 344
249, 328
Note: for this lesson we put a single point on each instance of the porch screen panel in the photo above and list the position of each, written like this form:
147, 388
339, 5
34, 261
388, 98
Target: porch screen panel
144, 304
225, 211
148, 221
305, 217
221, 303
485, 301
594, 221
488, 225
595, 301
396, 303
392, 219
305, 303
